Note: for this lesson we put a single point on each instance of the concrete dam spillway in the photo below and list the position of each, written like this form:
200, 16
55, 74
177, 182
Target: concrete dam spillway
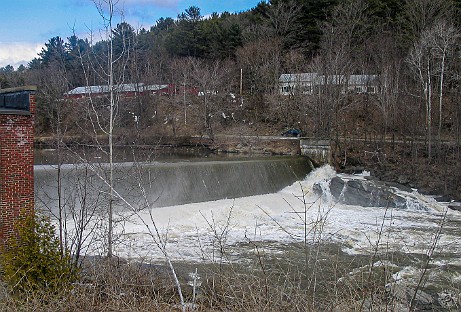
160, 184
190, 182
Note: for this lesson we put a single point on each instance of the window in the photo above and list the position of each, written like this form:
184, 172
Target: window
287, 89
308, 90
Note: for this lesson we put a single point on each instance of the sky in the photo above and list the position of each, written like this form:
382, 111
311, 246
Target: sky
26, 25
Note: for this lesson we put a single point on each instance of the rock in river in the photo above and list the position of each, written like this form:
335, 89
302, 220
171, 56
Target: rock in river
365, 193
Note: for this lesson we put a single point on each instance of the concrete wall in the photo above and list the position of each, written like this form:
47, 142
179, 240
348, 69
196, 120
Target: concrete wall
16, 156
318, 150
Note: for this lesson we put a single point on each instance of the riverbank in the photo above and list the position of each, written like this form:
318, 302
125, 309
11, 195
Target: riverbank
406, 164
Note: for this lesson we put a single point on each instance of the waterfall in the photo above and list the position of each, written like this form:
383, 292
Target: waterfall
174, 183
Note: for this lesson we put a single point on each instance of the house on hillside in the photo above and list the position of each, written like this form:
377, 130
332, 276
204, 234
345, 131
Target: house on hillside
311, 83
130, 90
362, 84
304, 83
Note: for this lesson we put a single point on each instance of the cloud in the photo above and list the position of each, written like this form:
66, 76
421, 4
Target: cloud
17, 53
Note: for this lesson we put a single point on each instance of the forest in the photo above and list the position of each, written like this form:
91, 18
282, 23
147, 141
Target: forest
235, 60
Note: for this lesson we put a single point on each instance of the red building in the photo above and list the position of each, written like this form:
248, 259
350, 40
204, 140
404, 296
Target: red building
131, 90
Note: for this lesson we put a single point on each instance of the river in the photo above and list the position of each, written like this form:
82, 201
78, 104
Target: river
285, 220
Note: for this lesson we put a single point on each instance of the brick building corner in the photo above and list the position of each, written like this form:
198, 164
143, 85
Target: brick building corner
17, 111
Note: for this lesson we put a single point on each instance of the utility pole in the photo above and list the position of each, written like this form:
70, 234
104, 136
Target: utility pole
185, 106
241, 81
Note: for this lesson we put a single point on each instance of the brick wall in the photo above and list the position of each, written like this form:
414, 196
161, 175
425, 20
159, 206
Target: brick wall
16, 159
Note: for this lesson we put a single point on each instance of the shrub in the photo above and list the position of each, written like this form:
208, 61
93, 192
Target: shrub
32, 259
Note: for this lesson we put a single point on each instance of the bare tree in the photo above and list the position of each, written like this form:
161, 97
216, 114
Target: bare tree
443, 37
423, 68
261, 63
418, 18
388, 64
428, 61
282, 17
56, 111
181, 75
208, 77
420, 15
339, 39
106, 9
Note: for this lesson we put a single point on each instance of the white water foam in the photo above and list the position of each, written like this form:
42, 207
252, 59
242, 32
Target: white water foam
196, 232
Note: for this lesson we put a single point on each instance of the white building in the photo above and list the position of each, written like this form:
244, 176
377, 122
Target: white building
309, 83
298, 83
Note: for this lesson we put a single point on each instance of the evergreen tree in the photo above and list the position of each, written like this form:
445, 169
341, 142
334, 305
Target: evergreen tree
53, 52
33, 260
124, 39
186, 38
223, 36
76, 56
7, 69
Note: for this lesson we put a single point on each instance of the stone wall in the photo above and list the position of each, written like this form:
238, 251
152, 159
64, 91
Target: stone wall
256, 145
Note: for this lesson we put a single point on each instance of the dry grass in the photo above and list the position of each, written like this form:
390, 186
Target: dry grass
120, 286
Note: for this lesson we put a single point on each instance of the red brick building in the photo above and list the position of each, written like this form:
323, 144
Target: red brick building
17, 111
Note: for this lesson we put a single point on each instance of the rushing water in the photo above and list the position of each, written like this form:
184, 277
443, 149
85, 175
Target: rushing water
285, 223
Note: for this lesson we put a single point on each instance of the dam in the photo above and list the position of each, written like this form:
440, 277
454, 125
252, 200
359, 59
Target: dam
159, 184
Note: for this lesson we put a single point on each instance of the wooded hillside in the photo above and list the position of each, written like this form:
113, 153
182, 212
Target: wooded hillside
412, 46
